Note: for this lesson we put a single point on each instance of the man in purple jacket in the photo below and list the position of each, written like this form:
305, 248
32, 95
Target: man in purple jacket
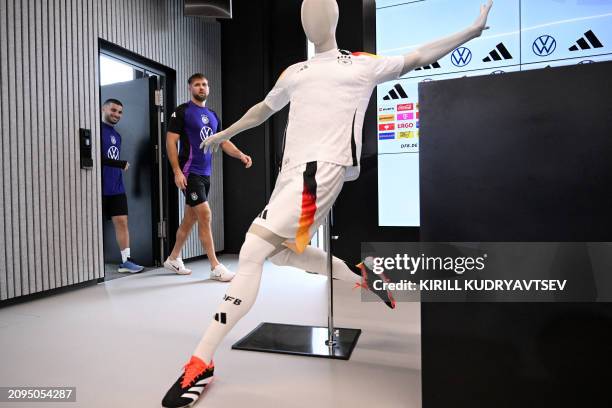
114, 200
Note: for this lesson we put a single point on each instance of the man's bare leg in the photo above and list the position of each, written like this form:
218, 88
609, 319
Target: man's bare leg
174, 261
204, 216
122, 232
189, 220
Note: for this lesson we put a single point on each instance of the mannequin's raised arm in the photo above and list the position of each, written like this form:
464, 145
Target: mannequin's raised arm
433, 51
255, 116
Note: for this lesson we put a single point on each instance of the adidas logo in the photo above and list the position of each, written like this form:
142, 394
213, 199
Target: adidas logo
400, 94
587, 42
221, 318
432, 66
495, 55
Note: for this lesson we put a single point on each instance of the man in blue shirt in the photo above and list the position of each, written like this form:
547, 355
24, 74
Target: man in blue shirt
191, 124
114, 200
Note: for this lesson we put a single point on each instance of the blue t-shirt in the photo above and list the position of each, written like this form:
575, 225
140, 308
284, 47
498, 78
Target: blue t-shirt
194, 124
112, 177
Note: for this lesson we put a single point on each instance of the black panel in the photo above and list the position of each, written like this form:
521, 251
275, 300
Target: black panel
85, 145
519, 157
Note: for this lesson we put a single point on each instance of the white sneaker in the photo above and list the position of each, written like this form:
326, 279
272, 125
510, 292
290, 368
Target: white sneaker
221, 273
177, 266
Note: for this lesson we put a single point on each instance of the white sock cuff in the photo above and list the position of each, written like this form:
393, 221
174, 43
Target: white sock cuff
125, 254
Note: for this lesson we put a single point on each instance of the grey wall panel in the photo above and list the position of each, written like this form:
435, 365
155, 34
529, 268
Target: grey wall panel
6, 183
54, 99
73, 93
14, 284
33, 213
46, 230
24, 163
35, 152
50, 209
96, 188
39, 153
84, 261
3, 141
93, 213
69, 204
63, 176
79, 98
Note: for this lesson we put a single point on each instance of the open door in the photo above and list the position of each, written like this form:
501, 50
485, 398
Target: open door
139, 146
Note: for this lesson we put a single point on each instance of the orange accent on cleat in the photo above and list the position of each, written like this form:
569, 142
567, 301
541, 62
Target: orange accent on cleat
359, 285
364, 284
364, 276
193, 368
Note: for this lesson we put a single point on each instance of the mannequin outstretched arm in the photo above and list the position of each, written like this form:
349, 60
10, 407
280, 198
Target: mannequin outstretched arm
255, 116
432, 52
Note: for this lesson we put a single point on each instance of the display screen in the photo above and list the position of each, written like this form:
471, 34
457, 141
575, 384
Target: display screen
523, 34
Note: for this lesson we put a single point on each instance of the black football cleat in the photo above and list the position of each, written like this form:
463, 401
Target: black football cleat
368, 277
190, 385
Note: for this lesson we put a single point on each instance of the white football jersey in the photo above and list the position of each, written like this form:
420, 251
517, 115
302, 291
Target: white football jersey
329, 95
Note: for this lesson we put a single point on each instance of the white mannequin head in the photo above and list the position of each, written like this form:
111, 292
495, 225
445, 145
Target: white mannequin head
320, 19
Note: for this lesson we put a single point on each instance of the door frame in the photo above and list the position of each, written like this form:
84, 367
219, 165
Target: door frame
164, 197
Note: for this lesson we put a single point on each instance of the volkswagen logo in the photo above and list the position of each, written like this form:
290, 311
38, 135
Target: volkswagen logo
461, 57
113, 153
205, 133
544, 45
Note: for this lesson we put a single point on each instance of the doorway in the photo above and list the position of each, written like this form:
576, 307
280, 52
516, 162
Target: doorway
140, 87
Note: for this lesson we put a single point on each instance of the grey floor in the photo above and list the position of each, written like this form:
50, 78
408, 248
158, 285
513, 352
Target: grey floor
111, 272
122, 344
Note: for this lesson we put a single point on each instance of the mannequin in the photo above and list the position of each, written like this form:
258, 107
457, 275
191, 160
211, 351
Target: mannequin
329, 95
319, 20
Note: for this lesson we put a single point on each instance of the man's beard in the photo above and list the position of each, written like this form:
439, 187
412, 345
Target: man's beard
111, 120
199, 97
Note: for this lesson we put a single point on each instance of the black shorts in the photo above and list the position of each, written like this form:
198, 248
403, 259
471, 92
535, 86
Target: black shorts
197, 190
114, 205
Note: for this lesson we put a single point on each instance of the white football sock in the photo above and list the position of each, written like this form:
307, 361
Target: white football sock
240, 295
315, 260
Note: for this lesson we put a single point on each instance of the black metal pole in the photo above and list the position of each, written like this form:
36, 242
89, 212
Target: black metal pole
331, 335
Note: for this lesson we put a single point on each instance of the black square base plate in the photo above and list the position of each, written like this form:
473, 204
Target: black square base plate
299, 340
